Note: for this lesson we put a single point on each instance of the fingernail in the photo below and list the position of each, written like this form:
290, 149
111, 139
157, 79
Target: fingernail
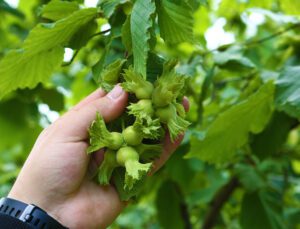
116, 92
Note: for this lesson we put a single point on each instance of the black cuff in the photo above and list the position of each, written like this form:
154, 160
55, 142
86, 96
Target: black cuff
29, 214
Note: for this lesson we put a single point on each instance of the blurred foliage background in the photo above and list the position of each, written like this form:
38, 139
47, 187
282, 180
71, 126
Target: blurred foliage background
240, 46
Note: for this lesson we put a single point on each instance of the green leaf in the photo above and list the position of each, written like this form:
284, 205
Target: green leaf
287, 93
175, 19
52, 98
168, 204
261, 210
140, 24
230, 130
233, 60
48, 35
83, 35
56, 9
154, 67
270, 141
17, 71
250, 177
109, 6
126, 35
41, 52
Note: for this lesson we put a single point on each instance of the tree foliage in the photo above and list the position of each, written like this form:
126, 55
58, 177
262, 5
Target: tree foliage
239, 163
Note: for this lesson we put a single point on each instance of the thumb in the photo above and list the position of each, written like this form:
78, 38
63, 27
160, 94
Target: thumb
75, 123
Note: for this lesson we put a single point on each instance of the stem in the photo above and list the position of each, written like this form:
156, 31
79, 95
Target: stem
77, 51
184, 209
218, 201
71, 61
248, 77
274, 35
99, 33
250, 43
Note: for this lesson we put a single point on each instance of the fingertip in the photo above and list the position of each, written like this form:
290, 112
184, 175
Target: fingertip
113, 104
186, 103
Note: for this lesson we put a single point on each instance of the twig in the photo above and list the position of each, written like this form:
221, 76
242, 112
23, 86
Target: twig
71, 61
184, 209
99, 33
248, 77
256, 42
77, 51
218, 201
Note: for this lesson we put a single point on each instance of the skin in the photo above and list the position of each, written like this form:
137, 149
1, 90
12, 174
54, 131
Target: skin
57, 175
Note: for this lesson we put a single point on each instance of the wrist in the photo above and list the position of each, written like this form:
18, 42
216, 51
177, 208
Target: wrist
32, 199
28, 213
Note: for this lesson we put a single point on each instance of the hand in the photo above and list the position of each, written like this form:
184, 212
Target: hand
57, 174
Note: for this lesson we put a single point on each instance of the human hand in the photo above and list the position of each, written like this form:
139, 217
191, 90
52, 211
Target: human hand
57, 175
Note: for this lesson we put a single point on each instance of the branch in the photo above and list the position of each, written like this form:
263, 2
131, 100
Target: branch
254, 42
77, 51
274, 35
99, 33
218, 201
222, 83
71, 61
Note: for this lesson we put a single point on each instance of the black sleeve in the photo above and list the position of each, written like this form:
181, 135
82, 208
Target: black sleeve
8, 222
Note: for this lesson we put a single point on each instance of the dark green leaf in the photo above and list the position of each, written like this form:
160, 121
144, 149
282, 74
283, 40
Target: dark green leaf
287, 94
261, 210
168, 204
250, 177
83, 35
270, 141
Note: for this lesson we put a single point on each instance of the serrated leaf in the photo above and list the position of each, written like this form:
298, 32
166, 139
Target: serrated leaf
56, 9
48, 35
109, 6
30, 65
140, 24
175, 19
287, 95
18, 71
230, 130
261, 210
